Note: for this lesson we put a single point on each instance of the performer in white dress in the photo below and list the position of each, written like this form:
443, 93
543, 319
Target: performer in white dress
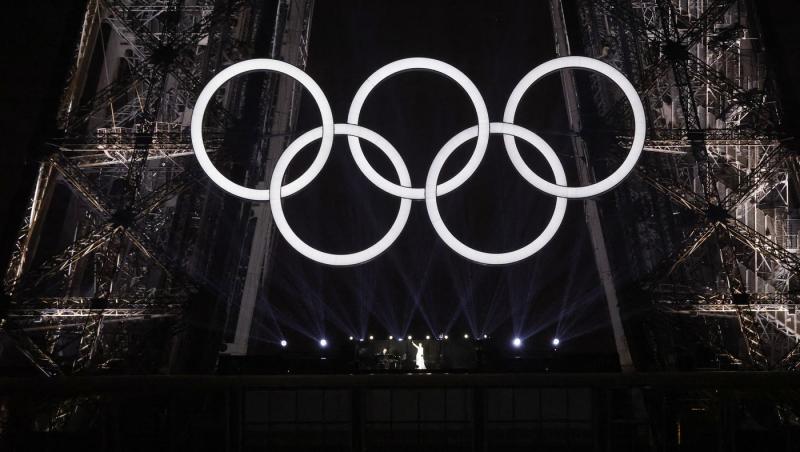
420, 356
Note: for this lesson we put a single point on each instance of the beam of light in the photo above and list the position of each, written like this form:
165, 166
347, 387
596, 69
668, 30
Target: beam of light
307, 316
415, 286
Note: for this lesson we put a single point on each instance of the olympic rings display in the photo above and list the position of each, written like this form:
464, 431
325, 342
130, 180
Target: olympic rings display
432, 188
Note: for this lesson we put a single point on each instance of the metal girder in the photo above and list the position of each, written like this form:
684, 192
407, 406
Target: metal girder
743, 157
703, 24
676, 46
160, 55
113, 234
769, 164
79, 249
143, 312
41, 360
677, 193
752, 238
31, 224
78, 182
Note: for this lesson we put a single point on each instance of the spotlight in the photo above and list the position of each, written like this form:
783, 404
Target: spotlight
351, 338
556, 341
371, 337
323, 343
283, 343
485, 336
409, 337
427, 337
391, 337
466, 336
361, 340
400, 339
517, 342
445, 337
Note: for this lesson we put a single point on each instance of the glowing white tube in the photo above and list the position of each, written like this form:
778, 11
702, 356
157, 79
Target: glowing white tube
261, 65
426, 64
338, 259
480, 256
560, 188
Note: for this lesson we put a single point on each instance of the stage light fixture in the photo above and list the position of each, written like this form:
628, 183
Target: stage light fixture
371, 337
323, 343
517, 342
351, 338
466, 336
427, 337
400, 339
485, 336
283, 343
409, 337
391, 338
556, 341
445, 337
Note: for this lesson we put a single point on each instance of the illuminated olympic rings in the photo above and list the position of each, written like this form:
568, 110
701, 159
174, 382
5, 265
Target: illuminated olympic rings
432, 188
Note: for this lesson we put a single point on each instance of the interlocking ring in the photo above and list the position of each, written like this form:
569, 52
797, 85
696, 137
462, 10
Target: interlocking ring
432, 188
320, 256
638, 118
262, 64
414, 64
480, 256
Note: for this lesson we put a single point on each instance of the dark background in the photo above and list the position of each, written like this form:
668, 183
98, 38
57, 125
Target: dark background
419, 285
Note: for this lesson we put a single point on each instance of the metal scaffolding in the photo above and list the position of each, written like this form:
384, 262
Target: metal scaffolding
725, 245
108, 243
105, 264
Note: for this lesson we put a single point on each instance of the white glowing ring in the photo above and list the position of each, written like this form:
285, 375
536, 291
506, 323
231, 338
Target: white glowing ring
480, 256
411, 64
338, 259
250, 66
560, 189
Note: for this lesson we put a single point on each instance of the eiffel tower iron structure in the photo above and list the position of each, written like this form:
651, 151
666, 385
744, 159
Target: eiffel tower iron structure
714, 209
106, 265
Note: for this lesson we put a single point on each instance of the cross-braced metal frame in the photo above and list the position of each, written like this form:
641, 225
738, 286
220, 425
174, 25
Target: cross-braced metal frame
105, 263
716, 151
